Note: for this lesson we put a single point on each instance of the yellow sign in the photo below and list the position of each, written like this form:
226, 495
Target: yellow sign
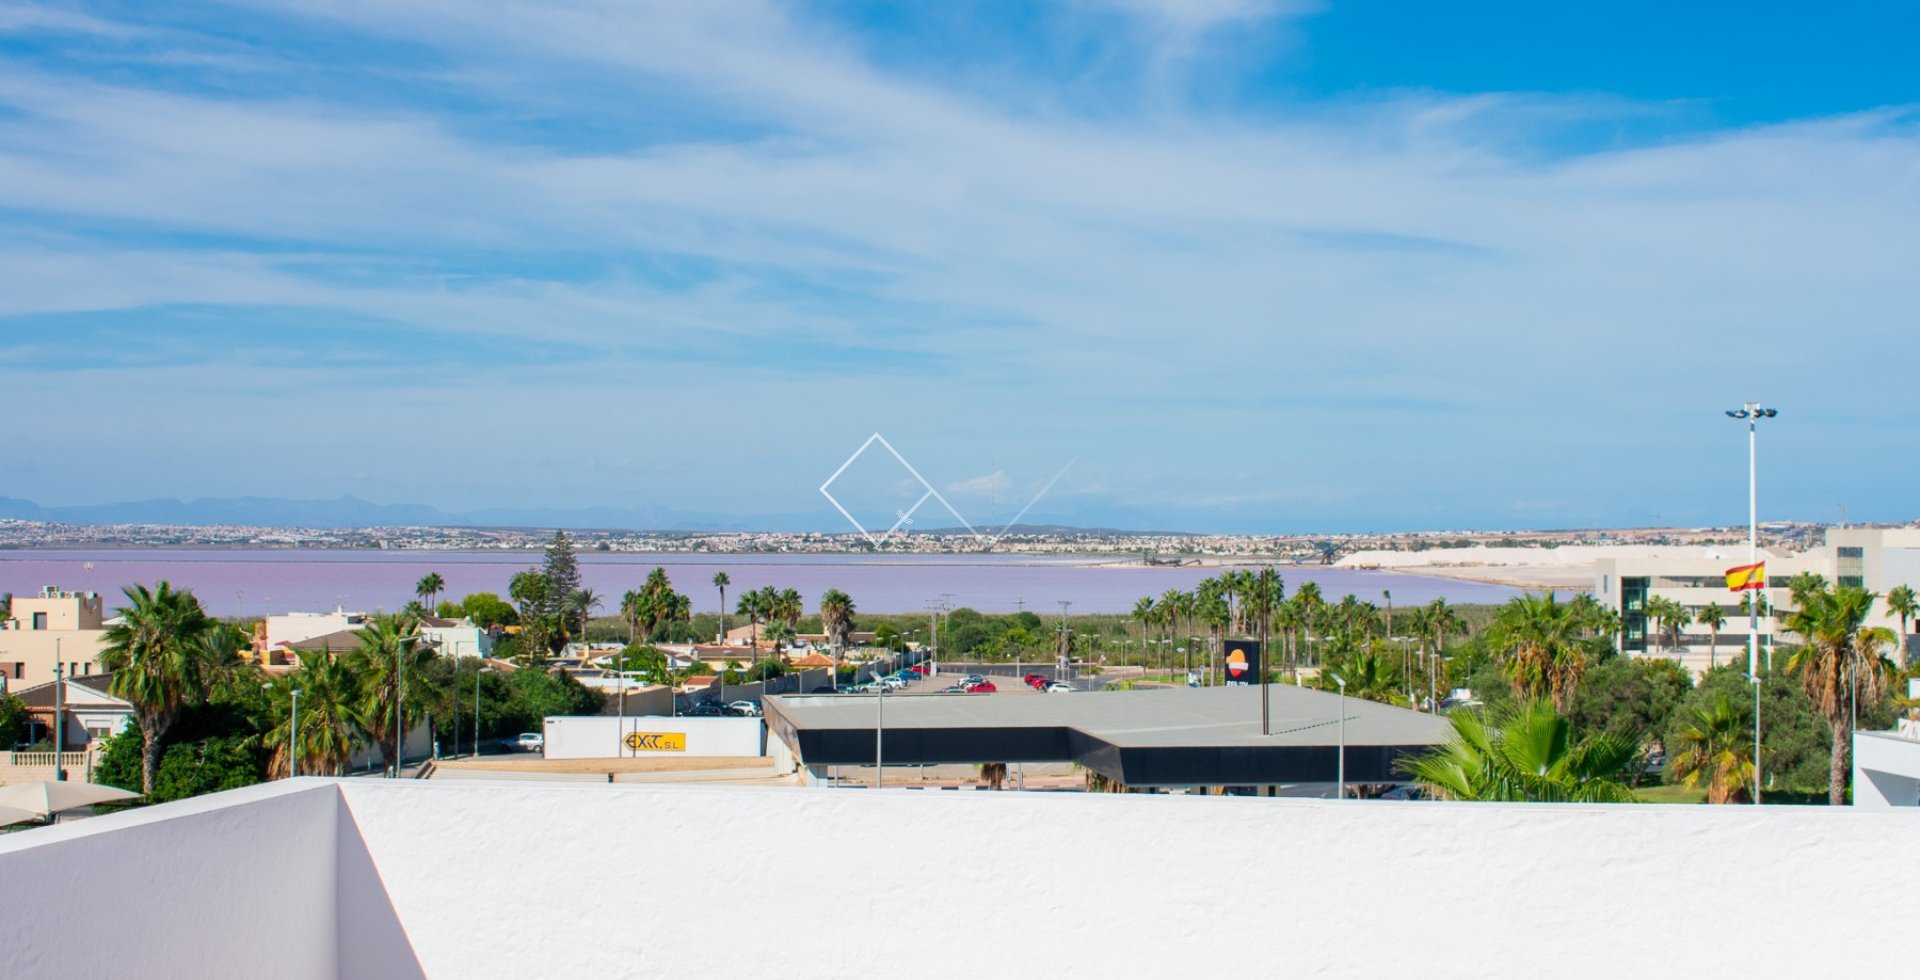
656, 741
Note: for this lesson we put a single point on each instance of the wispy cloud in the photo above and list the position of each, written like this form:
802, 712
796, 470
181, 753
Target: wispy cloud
736, 207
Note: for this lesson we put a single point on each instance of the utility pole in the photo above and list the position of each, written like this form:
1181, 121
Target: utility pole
1066, 655
59, 712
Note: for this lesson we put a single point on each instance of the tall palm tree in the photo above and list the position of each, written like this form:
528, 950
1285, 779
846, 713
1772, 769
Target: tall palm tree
1712, 617
161, 660
1440, 621
836, 619
788, 607
390, 648
331, 724
1839, 663
1902, 602
1538, 639
633, 609
1146, 614
753, 606
428, 588
1173, 605
1716, 743
1264, 595
1311, 602
720, 581
1526, 753
583, 602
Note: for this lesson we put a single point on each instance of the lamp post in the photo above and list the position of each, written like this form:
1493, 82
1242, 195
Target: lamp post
293, 735
476, 708
1752, 412
1340, 767
59, 712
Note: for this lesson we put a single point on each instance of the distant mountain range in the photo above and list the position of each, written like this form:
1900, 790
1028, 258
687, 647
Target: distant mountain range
347, 511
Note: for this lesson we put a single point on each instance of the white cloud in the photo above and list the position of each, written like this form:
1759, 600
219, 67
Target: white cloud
985, 485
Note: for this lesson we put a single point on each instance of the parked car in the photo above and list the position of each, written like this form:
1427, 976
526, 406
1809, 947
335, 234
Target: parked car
826, 689
1058, 687
1035, 681
706, 709
981, 687
745, 709
525, 742
974, 679
954, 689
921, 669
893, 683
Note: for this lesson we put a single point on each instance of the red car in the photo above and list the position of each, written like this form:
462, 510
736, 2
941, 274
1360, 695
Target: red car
1034, 680
984, 687
921, 669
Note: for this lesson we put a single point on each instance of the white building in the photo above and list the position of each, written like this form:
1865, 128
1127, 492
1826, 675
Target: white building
1877, 559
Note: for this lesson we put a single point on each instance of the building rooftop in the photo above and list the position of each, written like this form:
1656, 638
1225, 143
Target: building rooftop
315, 878
1171, 737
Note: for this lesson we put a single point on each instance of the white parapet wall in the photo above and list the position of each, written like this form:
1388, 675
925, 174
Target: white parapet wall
361, 878
1886, 768
603, 737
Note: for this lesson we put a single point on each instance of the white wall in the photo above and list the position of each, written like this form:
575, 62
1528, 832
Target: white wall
239, 884
1886, 770
598, 736
634, 880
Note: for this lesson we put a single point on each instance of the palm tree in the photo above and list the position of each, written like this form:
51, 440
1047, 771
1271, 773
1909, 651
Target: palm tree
1526, 753
1146, 614
428, 588
1712, 617
836, 619
1716, 743
720, 581
1538, 639
1370, 676
632, 610
752, 605
1266, 593
390, 649
1308, 596
1838, 664
1902, 602
161, 660
583, 602
1439, 620
789, 607
331, 725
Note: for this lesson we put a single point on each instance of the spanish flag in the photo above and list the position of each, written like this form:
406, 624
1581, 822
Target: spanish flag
1746, 578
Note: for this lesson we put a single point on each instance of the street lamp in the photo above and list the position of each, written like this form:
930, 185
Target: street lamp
1341, 765
476, 708
1752, 412
879, 727
293, 734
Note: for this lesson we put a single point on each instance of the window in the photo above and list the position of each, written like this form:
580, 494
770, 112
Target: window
1853, 552
1857, 581
39, 620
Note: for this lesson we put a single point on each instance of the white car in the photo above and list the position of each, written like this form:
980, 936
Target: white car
893, 683
745, 709
526, 742
1056, 687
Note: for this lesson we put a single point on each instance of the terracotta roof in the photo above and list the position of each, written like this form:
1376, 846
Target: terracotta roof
702, 680
813, 660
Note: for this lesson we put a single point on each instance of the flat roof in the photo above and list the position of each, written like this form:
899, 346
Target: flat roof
1175, 736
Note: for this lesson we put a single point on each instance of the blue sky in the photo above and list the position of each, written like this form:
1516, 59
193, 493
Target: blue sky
1247, 265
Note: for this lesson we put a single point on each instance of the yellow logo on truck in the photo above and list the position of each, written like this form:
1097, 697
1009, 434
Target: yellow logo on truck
656, 741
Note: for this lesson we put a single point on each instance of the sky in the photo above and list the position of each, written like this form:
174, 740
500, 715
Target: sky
1228, 265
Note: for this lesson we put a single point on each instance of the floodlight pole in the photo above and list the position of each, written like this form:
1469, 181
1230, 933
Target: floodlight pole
59, 712
1752, 412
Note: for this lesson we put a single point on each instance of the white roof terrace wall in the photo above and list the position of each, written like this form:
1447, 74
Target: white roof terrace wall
625, 880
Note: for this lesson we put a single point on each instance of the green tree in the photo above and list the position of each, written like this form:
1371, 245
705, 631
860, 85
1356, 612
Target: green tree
332, 721
836, 619
1712, 617
1715, 743
1902, 602
429, 586
561, 569
1540, 642
390, 648
887, 637
1526, 753
720, 581
1628, 698
1370, 676
1840, 664
487, 610
13, 721
164, 654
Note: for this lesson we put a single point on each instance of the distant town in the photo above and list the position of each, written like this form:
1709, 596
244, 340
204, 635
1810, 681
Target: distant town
1148, 546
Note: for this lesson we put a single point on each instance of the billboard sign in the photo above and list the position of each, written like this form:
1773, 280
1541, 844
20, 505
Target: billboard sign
656, 741
1243, 661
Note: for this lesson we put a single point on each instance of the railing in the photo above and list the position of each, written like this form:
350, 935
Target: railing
71, 759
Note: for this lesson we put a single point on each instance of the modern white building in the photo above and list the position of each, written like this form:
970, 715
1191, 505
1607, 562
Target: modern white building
314, 878
1877, 559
